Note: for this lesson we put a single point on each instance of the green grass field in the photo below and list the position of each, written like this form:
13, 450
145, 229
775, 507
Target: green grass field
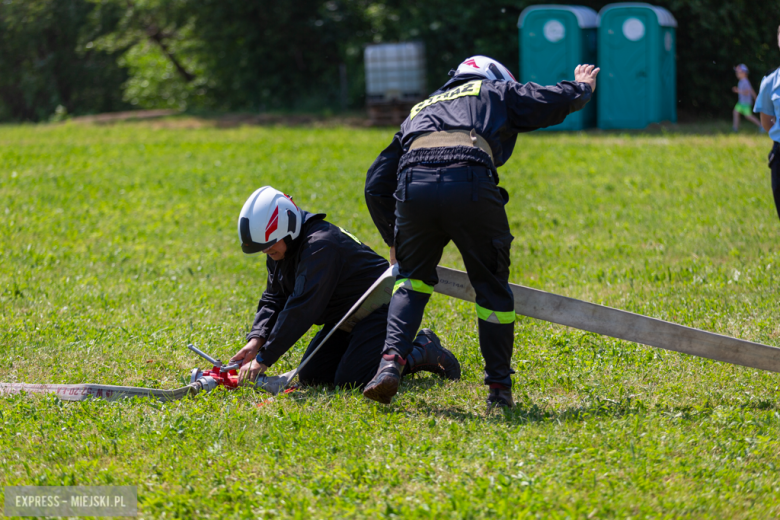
118, 246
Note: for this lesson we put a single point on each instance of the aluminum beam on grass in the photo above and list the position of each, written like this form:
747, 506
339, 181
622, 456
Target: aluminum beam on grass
528, 302
621, 324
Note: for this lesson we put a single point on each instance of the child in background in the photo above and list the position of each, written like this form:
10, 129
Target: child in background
746, 95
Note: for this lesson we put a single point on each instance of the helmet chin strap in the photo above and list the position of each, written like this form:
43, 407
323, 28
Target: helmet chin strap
291, 245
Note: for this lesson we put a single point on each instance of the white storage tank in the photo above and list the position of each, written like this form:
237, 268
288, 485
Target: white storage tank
395, 72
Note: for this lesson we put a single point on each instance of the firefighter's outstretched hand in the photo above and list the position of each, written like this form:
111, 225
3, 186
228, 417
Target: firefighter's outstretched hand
587, 74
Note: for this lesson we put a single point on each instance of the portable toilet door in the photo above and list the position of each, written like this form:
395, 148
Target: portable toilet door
554, 39
637, 85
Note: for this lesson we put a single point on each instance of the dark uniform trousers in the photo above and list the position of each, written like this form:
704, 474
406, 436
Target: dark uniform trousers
348, 359
462, 204
774, 165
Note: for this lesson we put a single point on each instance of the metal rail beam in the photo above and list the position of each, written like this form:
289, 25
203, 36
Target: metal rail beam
621, 324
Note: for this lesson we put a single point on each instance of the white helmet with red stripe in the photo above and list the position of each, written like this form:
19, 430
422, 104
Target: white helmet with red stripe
266, 218
487, 67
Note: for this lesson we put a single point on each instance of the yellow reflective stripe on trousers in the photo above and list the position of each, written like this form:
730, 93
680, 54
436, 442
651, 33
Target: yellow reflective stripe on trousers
495, 316
414, 285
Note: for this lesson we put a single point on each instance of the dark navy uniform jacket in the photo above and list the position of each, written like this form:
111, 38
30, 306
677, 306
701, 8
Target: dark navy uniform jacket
324, 272
496, 110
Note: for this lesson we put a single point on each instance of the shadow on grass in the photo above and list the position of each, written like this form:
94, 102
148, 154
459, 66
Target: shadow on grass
416, 392
591, 407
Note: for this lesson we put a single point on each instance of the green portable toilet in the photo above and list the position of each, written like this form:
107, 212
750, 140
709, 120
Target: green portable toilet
637, 84
554, 39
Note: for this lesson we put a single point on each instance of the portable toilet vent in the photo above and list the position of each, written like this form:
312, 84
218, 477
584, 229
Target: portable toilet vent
395, 80
554, 39
637, 85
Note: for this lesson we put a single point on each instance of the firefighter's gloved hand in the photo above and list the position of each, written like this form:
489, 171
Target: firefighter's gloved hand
392, 256
249, 372
248, 352
587, 74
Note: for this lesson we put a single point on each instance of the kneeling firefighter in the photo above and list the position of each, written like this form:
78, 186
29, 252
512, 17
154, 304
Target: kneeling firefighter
316, 273
436, 182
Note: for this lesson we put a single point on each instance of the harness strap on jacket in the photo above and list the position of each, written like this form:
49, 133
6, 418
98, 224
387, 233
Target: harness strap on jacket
447, 138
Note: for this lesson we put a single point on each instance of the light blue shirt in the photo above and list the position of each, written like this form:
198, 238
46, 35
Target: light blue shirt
768, 102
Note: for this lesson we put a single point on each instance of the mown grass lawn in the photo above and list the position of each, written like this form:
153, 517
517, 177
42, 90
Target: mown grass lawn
118, 246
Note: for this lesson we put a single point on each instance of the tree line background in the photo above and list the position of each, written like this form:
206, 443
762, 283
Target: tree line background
92, 56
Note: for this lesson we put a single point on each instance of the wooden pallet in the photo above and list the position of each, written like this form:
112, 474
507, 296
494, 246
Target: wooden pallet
389, 113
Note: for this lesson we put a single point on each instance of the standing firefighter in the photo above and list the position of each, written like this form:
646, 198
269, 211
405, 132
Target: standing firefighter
316, 273
436, 182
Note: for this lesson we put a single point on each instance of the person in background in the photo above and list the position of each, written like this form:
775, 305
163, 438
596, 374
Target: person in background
746, 95
768, 106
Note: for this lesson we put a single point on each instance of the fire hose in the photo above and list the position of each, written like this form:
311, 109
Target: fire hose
200, 381
219, 375
529, 302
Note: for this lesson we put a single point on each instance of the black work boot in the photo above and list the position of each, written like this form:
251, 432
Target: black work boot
429, 356
500, 396
385, 383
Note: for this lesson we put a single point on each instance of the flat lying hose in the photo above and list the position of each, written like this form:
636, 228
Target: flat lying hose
377, 295
106, 392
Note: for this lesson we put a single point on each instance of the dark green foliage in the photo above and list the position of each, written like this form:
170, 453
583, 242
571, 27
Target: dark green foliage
713, 37
452, 31
270, 55
47, 60
266, 54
